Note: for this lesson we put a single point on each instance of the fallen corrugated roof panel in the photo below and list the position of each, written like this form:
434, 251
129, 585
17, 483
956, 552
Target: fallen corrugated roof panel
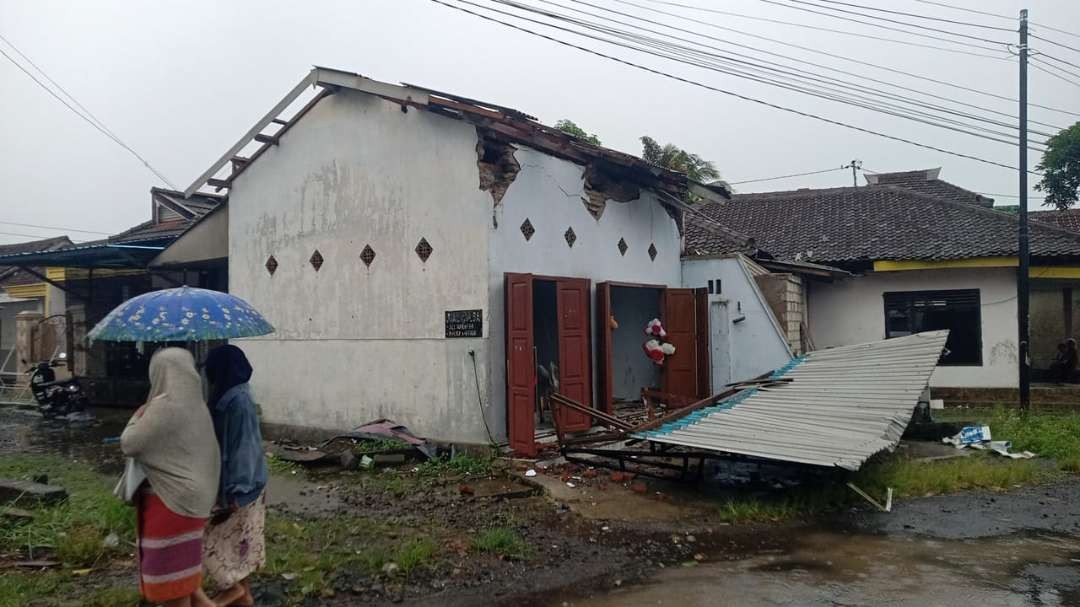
840, 407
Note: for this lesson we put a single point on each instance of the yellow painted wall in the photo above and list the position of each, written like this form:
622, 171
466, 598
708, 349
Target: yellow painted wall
978, 262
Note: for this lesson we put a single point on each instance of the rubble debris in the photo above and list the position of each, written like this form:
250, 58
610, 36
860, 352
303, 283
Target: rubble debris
383, 429
498, 167
600, 187
979, 437
29, 491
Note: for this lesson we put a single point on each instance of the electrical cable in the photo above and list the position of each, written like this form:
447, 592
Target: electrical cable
909, 24
826, 29
1037, 58
787, 176
1053, 58
34, 225
1036, 64
906, 14
34, 236
856, 101
847, 84
704, 86
1012, 196
479, 401
966, 10
1055, 43
85, 118
842, 58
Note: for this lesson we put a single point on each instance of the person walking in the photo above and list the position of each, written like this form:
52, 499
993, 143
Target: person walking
171, 478
235, 545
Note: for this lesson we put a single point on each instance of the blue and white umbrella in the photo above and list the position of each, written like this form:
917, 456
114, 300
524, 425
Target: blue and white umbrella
181, 314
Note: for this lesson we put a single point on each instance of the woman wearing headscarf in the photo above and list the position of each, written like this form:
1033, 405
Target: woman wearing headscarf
235, 546
172, 479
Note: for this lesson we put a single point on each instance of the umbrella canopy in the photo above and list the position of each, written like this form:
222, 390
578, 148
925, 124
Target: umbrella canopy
181, 314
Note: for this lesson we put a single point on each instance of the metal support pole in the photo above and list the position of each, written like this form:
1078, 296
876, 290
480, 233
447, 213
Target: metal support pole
1022, 279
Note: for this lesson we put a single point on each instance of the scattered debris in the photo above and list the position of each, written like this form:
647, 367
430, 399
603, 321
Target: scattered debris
978, 437
887, 507
16, 514
530, 473
36, 564
29, 491
384, 429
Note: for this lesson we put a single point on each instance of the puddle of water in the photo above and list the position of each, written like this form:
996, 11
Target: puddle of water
25, 431
829, 568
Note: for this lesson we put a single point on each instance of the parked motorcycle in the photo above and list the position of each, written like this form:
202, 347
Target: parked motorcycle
61, 398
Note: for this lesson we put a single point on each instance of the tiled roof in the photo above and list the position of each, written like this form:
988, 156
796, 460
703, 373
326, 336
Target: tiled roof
10, 275
926, 181
877, 222
150, 231
1069, 219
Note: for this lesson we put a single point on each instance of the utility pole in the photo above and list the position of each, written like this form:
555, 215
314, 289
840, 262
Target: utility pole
1022, 287
854, 165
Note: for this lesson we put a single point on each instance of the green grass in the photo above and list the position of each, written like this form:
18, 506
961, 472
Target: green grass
503, 542
379, 445
18, 588
282, 467
462, 464
312, 552
75, 530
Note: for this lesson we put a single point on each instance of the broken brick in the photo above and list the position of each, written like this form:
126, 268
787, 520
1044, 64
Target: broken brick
590, 473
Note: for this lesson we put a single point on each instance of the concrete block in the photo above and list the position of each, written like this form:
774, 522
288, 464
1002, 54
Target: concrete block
27, 491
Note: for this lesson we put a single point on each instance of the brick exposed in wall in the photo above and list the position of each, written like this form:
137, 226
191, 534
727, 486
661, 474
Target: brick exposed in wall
784, 294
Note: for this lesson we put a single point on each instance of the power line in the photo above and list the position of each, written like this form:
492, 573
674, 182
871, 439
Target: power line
34, 236
847, 84
1048, 56
34, 225
100, 127
826, 29
871, 24
1054, 29
787, 176
1055, 43
830, 93
847, 59
966, 10
1056, 67
1039, 66
941, 19
715, 89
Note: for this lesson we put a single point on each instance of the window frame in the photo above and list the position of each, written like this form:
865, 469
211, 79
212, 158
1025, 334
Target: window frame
913, 295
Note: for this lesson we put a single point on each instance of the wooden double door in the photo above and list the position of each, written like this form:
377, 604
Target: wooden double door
684, 312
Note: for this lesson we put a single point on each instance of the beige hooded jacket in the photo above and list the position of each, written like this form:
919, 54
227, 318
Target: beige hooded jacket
172, 436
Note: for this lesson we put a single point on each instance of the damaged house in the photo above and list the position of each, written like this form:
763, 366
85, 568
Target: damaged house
909, 253
440, 261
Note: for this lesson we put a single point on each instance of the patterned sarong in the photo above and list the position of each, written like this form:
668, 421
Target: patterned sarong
170, 551
236, 548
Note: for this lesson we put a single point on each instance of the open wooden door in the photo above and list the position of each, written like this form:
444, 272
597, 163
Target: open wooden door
574, 352
520, 366
704, 352
604, 348
680, 374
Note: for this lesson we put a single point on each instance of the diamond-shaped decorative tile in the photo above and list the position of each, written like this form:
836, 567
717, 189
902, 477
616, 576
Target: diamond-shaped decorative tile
367, 255
423, 249
271, 265
652, 251
623, 246
316, 260
527, 229
570, 236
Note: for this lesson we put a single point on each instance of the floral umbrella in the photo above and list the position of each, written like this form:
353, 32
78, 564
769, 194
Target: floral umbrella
181, 314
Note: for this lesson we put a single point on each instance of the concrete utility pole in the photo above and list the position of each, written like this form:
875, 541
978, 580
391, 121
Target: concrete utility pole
1022, 286
854, 165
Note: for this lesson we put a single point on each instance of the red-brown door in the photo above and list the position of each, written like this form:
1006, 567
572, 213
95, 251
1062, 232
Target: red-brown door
680, 369
603, 348
704, 352
574, 355
520, 366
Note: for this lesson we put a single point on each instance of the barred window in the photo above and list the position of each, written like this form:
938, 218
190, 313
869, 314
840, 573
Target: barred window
956, 310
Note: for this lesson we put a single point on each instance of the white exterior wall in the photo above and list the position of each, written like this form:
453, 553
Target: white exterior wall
354, 343
750, 347
548, 191
852, 311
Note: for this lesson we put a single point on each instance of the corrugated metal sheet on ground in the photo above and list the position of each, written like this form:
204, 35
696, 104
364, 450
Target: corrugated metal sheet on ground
842, 406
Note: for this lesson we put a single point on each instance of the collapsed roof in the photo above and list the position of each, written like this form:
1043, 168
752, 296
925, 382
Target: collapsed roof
835, 407
493, 122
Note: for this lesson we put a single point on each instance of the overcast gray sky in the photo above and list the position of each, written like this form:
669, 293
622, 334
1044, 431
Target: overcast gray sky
181, 81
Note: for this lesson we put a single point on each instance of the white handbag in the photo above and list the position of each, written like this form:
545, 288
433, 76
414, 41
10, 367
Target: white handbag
134, 475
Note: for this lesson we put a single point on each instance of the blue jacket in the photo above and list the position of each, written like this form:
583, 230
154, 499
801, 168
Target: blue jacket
243, 463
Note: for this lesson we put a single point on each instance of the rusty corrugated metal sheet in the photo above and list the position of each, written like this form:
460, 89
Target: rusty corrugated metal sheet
840, 407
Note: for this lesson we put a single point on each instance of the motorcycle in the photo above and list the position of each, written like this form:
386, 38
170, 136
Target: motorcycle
61, 398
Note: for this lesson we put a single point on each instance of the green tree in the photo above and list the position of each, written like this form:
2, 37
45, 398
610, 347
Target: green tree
675, 158
568, 126
1061, 168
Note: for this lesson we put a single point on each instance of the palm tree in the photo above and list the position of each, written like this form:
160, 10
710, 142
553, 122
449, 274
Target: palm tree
675, 158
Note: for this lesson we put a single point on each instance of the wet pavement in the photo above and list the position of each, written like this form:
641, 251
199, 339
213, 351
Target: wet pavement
984, 549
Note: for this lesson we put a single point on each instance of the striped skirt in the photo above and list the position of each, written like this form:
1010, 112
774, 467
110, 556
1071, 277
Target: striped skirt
170, 551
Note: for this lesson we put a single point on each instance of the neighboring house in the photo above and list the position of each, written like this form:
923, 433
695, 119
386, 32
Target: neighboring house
924, 254
422, 254
85, 281
23, 290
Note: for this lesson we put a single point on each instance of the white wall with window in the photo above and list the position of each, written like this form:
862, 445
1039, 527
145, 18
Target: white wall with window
977, 305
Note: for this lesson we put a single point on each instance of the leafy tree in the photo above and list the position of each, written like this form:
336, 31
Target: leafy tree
1061, 168
675, 158
568, 126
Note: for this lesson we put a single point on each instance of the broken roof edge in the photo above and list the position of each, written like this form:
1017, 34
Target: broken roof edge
331, 79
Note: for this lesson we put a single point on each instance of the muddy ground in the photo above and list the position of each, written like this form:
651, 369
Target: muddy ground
612, 541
